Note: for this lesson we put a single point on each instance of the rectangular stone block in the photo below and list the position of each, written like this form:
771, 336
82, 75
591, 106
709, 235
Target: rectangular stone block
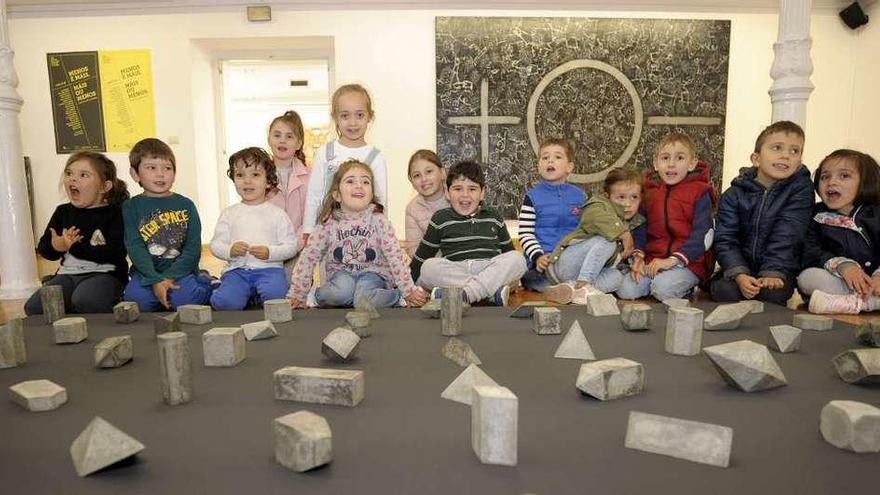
319, 385
52, 300
13, 351
223, 346
684, 331
806, 321
175, 368
195, 314
278, 310
451, 310
547, 321
70, 330
683, 439
494, 418
167, 323
126, 312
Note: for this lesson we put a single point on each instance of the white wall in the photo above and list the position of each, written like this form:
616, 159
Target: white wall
392, 52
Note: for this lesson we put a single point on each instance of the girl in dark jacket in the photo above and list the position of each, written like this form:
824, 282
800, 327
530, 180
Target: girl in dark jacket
842, 250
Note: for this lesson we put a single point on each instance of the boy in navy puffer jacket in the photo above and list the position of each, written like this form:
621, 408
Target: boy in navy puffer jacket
762, 220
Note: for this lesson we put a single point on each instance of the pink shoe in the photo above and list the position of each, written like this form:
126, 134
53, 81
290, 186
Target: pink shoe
824, 303
559, 293
582, 293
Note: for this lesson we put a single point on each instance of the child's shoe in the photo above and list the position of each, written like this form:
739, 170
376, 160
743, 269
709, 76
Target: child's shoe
583, 292
501, 296
559, 293
824, 303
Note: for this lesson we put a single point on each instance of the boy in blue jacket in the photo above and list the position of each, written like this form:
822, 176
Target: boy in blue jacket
762, 220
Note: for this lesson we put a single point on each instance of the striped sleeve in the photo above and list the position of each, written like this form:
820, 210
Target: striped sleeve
428, 247
504, 242
526, 234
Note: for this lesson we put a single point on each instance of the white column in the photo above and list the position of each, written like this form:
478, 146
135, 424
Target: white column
18, 265
792, 65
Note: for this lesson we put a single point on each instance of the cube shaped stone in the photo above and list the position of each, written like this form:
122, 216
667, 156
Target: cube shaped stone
278, 310
259, 330
611, 379
494, 425
223, 346
602, 305
39, 395
303, 441
195, 314
784, 338
806, 321
851, 425
547, 321
126, 312
319, 385
13, 351
636, 317
70, 330
113, 352
684, 331
52, 301
340, 344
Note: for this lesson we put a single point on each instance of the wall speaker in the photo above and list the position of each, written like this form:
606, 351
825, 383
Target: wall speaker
853, 16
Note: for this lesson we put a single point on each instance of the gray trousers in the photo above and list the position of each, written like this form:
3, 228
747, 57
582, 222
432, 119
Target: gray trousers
480, 278
821, 279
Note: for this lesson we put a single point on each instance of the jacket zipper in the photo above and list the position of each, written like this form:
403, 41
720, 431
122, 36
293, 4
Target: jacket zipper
758, 221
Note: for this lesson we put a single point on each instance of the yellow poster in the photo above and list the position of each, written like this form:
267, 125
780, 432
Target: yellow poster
127, 93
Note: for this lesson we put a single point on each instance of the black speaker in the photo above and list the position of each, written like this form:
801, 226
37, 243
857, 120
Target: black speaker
854, 16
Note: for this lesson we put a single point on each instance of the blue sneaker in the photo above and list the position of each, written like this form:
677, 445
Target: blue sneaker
501, 296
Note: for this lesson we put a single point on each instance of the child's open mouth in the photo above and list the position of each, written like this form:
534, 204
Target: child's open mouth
73, 191
832, 195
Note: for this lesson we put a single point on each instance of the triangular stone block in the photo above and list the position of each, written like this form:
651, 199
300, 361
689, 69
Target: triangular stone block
575, 345
746, 365
100, 445
727, 316
459, 352
784, 338
462, 388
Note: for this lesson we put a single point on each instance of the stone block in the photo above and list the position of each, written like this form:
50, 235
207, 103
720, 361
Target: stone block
359, 322
602, 305
547, 321
806, 321
851, 425
858, 365
459, 352
526, 309
636, 317
39, 395
726, 316
340, 344
166, 323
223, 346
70, 330
362, 303
259, 330
684, 331
746, 365
462, 388
52, 300
126, 312
175, 368
574, 345
113, 352
680, 438
278, 310
675, 302
494, 425
303, 441
868, 334
13, 351
451, 311
755, 306
319, 385
431, 309
611, 379
784, 338
99, 445
195, 314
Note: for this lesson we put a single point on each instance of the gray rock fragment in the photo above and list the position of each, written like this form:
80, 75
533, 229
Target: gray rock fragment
126, 312
680, 438
676, 303
70, 330
459, 352
726, 316
462, 388
362, 303
602, 305
574, 345
431, 309
113, 352
684, 331
13, 351
858, 365
278, 310
303, 441
806, 321
166, 323
175, 368
451, 310
195, 314
259, 330
746, 365
868, 334
223, 346
784, 338
546, 321
611, 379
319, 385
851, 425
494, 418
39, 395
359, 321
526, 309
340, 344
756, 306
636, 317
100, 445
52, 300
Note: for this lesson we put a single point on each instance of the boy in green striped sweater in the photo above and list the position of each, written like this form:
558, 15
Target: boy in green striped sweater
477, 252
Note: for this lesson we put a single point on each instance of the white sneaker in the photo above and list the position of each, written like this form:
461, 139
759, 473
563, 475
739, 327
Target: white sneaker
824, 303
580, 295
311, 300
559, 293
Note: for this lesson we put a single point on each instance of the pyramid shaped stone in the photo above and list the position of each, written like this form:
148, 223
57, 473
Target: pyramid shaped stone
611, 378
259, 330
575, 345
858, 365
459, 352
726, 316
784, 338
100, 445
746, 365
602, 305
113, 352
462, 388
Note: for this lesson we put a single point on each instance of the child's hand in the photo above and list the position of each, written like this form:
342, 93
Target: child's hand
657, 265
627, 239
857, 280
239, 248
160, 290
416, 297
296, 304
542, 262
748, 285
637, 270
771, 282
68, 238
259, 252
875, 285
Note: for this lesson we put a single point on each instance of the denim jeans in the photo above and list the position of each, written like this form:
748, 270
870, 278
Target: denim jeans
343, 288
480, 278
585, 261
192, 289
677, 282
821, 279
238, 286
